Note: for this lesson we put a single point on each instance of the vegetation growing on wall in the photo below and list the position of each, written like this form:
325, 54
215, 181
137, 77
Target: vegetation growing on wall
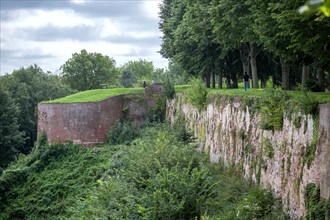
272, 106
197, 94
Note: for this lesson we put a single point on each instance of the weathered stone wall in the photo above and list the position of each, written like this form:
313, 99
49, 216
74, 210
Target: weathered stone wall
88, 123
273, 159
324, 133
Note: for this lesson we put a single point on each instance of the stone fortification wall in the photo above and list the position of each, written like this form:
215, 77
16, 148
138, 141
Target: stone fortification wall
88, 123
230, 133
324, 141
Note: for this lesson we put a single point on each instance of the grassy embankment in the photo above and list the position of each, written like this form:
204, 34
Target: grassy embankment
101, 94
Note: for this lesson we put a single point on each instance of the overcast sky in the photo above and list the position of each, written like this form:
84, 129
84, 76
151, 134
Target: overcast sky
48, 32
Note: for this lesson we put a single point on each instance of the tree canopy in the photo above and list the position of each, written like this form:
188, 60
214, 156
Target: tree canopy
22, 91
84, 71
204, 37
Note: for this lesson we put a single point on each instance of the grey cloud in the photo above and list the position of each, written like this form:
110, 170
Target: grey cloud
142, 42
128, 14
32, 4
28, 55
52, 33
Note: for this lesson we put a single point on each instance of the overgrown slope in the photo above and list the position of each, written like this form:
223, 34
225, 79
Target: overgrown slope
157, 176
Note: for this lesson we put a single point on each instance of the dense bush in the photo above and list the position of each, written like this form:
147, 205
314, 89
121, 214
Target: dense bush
122, 133
160, 177
317, 208
45, 183
197, 94
272, 106
168, 89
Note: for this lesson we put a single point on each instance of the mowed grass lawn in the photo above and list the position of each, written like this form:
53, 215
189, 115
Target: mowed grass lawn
95, 95
101, 94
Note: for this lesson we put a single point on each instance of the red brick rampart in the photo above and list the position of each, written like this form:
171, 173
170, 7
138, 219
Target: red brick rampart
88, 123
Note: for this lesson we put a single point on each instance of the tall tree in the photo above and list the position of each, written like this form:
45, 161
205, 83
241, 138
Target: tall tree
10, 136
84, 71
141, 69
28, 87
127, 79
233, 25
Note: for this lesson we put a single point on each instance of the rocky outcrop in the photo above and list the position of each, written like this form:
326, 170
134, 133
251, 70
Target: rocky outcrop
279, 160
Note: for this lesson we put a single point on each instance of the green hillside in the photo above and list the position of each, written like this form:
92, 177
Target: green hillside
158, 175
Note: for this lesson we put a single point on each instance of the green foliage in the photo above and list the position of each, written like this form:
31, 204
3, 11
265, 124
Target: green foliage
160, 177
317, 208
272, 109
157, 113
182, 133
45, 183
127, 79
309, 104
168, 89
316, 6
28, 87
122, 133
141, 69
85, 71
258, 204
197, 94
10, 136
311, 146
268, 147
297, 121
42, 140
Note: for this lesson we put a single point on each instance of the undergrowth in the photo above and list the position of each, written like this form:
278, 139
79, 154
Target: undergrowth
158, 175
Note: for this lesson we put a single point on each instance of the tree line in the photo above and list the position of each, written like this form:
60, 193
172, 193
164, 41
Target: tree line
23, 89
216, 39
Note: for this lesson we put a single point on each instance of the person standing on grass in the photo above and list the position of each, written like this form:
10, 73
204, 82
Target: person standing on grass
246, 81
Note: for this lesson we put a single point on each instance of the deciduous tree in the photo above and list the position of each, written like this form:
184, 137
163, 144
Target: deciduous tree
84, 71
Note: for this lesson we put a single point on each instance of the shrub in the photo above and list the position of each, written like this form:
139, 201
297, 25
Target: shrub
168, 89
256, 205
122, 133
309, 104
272, 106
197, 94
316, 207
156, 178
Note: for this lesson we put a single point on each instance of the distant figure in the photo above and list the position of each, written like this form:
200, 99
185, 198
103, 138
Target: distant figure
246, 81
152, 82
144, 84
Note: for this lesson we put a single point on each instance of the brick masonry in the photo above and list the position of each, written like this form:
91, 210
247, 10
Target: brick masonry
88, 123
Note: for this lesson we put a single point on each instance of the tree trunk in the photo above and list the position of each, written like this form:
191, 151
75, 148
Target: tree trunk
320, 79
220, 80
285, 75
207, 80
213, 80
305, 74
244, 52
253, 60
